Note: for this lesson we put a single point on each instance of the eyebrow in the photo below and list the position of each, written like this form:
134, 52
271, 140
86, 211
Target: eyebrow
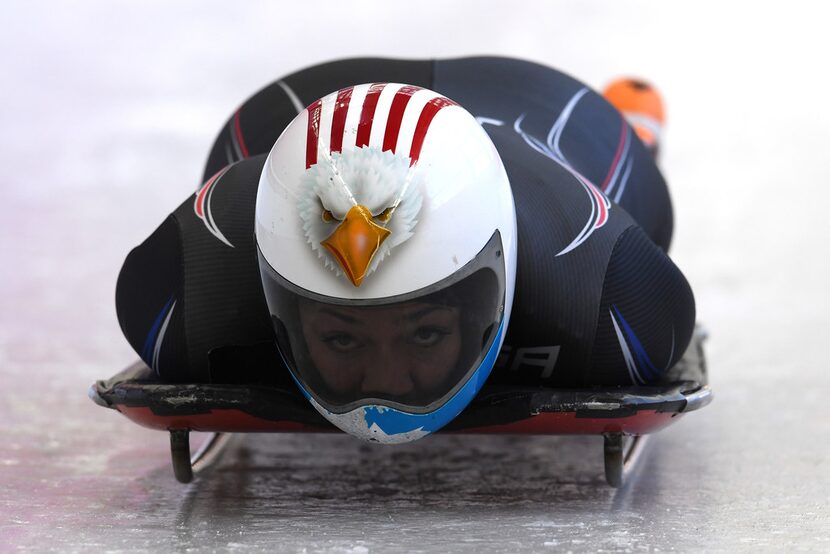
339, 315
424, 311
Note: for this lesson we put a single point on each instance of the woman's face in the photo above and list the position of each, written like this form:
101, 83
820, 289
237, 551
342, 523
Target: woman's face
390, 351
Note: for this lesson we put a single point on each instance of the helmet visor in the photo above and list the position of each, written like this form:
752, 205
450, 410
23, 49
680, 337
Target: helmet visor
411, 351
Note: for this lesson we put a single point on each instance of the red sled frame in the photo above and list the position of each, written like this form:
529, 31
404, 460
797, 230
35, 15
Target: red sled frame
623, 415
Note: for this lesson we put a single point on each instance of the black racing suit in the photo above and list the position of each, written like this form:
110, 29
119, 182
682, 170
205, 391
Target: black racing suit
597, 301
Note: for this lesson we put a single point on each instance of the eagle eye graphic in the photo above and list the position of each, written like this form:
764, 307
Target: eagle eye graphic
385, 215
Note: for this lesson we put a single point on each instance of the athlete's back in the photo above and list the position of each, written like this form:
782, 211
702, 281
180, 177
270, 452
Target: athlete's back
597, 301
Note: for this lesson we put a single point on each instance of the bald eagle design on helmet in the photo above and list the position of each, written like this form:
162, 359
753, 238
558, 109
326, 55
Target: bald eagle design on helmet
357, 207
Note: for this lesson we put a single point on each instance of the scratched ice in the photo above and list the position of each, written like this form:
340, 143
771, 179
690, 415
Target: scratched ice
108, 111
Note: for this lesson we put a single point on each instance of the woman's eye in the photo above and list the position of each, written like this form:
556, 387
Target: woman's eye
385, 215
327, 216
429, 336
341, 342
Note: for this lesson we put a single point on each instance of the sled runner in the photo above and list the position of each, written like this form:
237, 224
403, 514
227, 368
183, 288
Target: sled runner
623, 415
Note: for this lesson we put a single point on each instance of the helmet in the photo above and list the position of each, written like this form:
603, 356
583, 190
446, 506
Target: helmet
641, 105
386, 236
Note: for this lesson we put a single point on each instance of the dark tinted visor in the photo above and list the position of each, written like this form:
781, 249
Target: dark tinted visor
412, 351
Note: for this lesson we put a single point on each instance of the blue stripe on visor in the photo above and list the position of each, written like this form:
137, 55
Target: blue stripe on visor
392, 421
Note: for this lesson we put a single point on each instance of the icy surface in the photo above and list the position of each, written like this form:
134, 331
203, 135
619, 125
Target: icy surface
107, 114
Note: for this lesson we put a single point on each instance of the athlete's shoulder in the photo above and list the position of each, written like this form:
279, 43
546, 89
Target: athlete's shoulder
191, 288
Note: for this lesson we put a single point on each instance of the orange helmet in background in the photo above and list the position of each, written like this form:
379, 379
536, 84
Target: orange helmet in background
641, 105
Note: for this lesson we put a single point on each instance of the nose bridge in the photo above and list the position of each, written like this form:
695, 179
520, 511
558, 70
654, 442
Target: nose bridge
387, 372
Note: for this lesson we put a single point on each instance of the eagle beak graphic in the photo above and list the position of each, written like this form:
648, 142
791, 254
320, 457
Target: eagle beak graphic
355, 242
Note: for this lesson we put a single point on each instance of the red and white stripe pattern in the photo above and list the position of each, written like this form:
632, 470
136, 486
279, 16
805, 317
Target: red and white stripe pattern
388, 116
235, 147
201, 205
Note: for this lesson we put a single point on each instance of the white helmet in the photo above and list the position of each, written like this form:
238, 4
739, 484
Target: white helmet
386, 234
